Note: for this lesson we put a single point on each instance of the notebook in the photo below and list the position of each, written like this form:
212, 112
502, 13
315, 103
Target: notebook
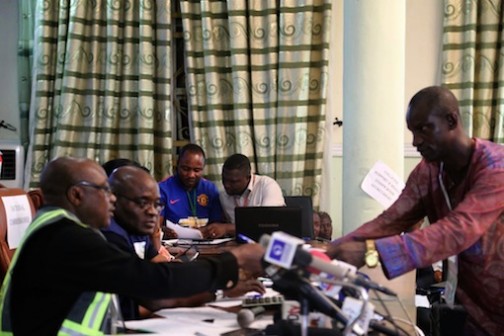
253, 222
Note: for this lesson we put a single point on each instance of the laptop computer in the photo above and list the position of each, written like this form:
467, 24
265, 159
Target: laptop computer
306, 205
253, 222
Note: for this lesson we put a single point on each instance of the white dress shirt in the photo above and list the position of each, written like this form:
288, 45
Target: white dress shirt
261, 191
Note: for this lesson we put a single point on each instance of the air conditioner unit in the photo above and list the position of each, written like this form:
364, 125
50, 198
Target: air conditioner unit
12, 169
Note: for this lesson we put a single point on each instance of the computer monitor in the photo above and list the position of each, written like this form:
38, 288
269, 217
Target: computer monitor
306, 205
253, 222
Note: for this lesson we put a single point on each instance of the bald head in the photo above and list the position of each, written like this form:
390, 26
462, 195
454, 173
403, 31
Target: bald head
138, 202
63, 172
434, 100
434, 120
80, 186
128, 178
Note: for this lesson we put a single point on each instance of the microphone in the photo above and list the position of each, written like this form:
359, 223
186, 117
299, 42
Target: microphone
286, 251
246, 316
292, 284
325, 281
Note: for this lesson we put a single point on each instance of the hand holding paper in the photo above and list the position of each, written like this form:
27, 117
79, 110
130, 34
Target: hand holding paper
183, 232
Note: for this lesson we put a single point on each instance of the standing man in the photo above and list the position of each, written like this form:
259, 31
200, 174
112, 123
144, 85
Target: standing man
242, 189
459, 186
190, 199
64, 268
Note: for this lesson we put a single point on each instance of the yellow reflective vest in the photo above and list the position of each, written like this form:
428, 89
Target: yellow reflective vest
90, 315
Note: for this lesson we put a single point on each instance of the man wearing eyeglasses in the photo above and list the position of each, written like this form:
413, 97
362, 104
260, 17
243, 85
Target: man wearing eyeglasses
136, 213
63, 271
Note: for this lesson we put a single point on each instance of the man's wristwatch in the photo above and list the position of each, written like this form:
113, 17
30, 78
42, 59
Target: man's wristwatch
371, 257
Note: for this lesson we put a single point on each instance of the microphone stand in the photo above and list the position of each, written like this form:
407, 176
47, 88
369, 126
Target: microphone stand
305, 312
291, 283
365, 298
373, 325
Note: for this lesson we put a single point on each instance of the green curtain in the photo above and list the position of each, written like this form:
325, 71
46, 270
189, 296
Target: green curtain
256, 81
473, 59
101, 83
25, 64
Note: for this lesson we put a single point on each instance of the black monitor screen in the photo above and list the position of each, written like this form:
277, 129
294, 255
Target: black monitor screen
305, 203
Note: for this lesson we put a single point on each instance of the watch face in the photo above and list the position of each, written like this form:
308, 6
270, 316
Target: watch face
372, 259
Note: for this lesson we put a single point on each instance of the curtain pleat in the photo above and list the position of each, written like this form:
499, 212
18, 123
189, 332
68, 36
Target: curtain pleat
256, 78
473, 64
102, 83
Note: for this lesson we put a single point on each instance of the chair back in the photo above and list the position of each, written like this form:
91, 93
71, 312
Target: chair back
36, 197
16, 213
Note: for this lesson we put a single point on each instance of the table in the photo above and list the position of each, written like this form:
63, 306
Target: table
404, 286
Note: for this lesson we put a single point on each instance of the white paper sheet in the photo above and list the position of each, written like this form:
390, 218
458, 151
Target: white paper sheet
216, 241
184, 232
382, 184
18, 215
422, 301
188, 321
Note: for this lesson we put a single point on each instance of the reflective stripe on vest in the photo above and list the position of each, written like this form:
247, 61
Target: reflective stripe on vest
88, 313
91, 309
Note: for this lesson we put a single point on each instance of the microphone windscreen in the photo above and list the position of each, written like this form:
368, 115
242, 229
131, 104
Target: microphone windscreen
246, 316
316, 253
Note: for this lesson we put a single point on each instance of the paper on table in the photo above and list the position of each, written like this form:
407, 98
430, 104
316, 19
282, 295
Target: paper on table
184, 232
226, 303
18, 215
163, 326
188, 321
382, 184
216, 241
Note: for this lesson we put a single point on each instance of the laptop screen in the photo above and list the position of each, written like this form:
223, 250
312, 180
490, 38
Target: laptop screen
305, 203
253, 222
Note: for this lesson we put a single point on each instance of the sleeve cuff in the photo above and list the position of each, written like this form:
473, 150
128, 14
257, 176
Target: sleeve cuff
394, 259
227, 271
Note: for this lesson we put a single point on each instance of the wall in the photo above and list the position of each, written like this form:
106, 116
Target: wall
9, 110
424, 21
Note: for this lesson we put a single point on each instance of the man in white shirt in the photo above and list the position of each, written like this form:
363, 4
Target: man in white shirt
242, 189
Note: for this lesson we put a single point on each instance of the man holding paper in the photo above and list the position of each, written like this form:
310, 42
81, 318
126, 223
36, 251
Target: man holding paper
190, 200
459, 186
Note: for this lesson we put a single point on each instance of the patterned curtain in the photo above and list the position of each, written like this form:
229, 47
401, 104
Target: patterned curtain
101, 83
256, 81
25, 64
473, 59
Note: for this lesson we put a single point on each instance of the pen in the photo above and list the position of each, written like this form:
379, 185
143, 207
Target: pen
246, 239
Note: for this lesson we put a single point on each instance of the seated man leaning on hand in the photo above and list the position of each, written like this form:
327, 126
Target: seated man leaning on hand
135, 217
77, 270
242, 189
109, 167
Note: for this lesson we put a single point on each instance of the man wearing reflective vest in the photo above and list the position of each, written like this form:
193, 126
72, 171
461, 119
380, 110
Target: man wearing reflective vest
63, 269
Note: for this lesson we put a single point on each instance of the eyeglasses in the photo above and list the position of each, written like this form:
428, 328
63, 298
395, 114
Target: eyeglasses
105, 188
144, 203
